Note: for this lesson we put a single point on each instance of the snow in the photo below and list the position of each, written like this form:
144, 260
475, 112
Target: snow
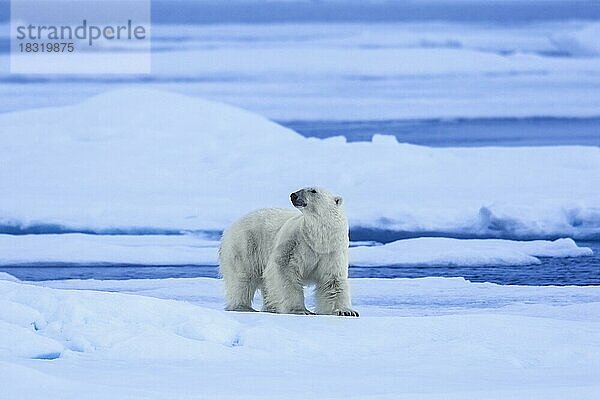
83, 249
358, 71
386, 71
137, 160
426, 338
582, 42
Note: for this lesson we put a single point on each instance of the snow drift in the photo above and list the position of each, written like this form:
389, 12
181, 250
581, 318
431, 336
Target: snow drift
41, 323
151, 161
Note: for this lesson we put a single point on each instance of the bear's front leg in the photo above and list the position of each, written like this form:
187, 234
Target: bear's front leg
285, 286
333, 296
292, 299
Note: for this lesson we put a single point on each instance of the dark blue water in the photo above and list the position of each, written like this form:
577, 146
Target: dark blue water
552, 271
270, 11
462, 132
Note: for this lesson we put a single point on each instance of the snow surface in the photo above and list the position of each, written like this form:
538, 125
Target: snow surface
78, 249
429, 338
582, 42
136, 160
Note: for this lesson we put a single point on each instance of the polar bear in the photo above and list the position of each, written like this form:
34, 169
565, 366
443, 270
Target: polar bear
278, 251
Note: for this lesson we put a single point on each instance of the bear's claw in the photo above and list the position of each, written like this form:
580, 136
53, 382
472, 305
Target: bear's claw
346, 313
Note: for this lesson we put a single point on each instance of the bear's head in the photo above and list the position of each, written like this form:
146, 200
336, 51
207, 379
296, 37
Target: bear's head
316, 201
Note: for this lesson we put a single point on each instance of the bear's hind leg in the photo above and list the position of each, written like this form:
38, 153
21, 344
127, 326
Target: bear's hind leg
269, 303
239, 293
286, 292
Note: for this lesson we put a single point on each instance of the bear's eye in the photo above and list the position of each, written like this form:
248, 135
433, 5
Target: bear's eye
313, 191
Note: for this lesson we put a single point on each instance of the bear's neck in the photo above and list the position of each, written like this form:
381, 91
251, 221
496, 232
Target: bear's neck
326, 235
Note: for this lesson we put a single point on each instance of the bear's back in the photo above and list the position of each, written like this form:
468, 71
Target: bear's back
261, 225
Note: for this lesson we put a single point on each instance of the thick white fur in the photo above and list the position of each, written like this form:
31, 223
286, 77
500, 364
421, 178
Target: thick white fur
279, 251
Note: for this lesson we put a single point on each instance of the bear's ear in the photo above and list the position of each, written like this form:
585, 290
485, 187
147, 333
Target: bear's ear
338, 200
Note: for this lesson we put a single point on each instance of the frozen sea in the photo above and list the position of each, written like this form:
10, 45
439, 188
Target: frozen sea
551, 271
493, 166
496, 132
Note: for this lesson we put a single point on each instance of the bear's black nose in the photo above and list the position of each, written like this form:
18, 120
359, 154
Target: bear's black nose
293, 196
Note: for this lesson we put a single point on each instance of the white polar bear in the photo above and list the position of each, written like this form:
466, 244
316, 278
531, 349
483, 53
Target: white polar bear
279, 251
